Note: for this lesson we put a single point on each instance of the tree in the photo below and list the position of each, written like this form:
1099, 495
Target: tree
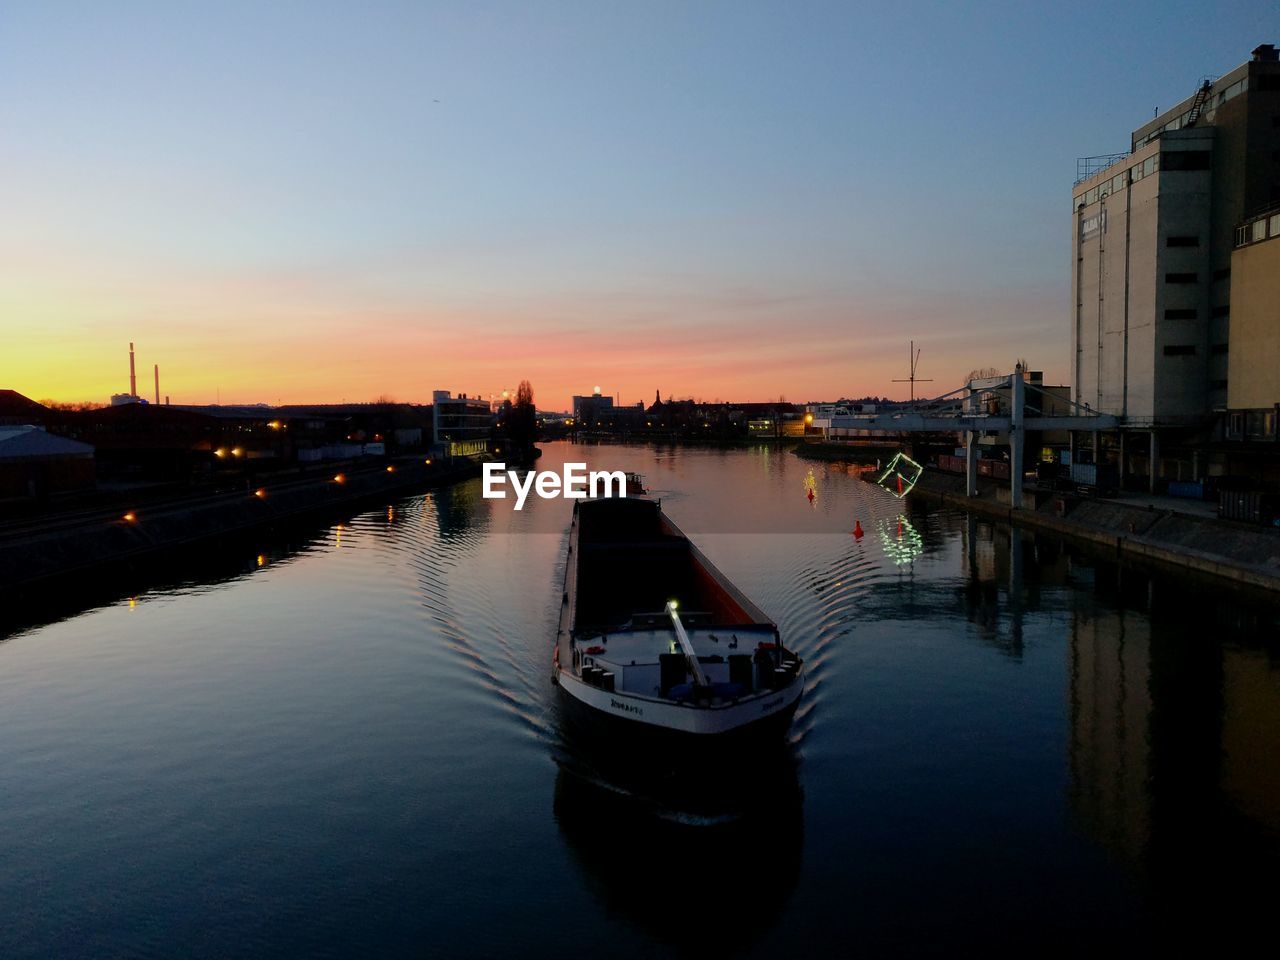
522, 423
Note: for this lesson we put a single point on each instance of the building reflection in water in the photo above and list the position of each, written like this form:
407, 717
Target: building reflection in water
1172, 738
700, 856
1005, 571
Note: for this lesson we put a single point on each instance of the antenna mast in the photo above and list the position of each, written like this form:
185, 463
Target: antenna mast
913, 359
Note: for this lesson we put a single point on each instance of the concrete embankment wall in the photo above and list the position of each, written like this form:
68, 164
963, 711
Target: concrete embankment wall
860, 453
1248, 556
64, 550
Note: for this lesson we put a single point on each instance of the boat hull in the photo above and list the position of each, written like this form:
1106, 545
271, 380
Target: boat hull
594, 710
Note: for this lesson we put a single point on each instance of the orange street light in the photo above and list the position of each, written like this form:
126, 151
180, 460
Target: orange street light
130, 517
339, 478
260, 493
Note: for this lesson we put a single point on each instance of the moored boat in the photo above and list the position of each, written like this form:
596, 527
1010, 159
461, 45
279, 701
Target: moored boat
652, 634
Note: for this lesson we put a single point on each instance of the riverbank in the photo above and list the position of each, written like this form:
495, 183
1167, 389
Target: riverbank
1238, 553
40, 555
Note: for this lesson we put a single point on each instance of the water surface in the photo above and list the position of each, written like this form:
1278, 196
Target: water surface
348, 745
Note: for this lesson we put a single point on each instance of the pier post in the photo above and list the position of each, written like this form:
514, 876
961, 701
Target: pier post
1155, 460
971, 463
1123, 458
1017, 438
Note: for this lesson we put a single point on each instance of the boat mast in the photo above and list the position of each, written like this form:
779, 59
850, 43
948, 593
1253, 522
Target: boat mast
699, 677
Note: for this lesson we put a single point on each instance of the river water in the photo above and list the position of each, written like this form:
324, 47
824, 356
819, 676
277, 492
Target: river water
346, 744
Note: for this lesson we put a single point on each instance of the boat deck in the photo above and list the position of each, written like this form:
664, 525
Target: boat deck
632, 655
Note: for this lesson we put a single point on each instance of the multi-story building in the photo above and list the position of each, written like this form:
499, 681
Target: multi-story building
587, 410
1154, 230
462, 425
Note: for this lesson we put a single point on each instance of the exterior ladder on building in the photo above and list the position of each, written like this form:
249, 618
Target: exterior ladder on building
1198, 104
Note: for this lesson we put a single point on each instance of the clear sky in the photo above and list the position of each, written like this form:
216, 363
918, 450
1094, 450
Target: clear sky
321, 201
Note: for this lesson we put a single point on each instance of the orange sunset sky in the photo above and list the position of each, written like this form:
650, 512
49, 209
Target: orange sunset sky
278, 207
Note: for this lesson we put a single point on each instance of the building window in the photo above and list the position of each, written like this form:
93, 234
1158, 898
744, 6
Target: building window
1222, 311
1150, 165
1180, 350
1181, 278
1182, 242
1259, 423
1219, 349
1181, 314
1186, 160
1235, 424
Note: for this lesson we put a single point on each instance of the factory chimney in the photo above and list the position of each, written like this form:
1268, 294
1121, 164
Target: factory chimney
157, 384
133, 377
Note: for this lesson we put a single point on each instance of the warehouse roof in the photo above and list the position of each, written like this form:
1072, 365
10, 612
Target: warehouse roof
27, 442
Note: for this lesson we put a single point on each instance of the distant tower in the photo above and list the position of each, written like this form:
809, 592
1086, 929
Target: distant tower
133, 377
657, 397
157, 384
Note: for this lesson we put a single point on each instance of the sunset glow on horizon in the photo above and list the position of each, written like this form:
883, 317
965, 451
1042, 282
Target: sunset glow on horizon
710, 201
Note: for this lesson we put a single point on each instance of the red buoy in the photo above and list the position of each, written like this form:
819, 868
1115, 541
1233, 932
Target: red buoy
857, 529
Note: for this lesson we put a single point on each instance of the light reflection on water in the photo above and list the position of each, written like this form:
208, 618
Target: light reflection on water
349, 743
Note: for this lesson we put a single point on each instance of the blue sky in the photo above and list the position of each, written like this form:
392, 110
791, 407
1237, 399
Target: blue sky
718, 199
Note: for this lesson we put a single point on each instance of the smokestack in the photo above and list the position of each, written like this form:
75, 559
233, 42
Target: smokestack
157, 384
133, 377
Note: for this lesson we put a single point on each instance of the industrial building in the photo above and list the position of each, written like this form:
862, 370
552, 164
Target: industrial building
1253, 379
35, 464
1155, 339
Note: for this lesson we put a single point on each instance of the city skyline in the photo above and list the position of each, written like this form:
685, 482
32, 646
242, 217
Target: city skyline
278, 206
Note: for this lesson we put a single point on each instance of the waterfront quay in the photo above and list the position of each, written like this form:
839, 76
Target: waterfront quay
1152, 530
60, 545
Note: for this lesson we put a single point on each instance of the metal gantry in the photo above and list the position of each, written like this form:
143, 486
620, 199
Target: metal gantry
957, 412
